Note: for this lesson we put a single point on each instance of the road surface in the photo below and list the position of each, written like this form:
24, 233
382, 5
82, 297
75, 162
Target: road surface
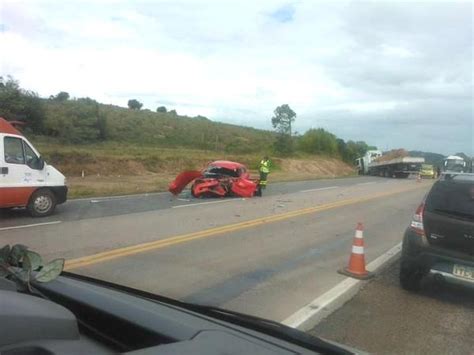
384, 319
265, 256
87, 208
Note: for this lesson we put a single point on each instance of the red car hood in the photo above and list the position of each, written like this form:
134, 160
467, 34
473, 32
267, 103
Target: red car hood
182, 180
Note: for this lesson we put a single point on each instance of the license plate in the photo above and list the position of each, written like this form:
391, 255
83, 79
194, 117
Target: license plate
466, 272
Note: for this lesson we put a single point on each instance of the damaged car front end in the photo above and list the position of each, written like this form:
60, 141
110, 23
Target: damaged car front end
219, 179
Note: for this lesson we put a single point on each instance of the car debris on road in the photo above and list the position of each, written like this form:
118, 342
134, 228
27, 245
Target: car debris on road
220, 178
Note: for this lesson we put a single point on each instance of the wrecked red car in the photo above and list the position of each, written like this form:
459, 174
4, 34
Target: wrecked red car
220, 178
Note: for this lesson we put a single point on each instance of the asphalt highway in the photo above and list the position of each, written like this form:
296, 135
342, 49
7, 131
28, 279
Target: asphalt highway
265, 256
80, 209
385, 319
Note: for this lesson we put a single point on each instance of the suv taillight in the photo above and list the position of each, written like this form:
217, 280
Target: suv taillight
417, 221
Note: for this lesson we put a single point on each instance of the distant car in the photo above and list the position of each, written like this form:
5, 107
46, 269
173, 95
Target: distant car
220, 178
427, 171
440, 238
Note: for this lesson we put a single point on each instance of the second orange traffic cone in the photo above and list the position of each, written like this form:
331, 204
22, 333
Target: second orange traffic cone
356, 266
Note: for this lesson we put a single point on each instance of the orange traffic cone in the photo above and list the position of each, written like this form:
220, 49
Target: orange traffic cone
356, 267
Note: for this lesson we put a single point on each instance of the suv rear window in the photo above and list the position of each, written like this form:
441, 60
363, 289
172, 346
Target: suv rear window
455, 198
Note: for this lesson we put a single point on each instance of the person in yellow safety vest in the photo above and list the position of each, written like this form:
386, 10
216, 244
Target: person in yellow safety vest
264, 171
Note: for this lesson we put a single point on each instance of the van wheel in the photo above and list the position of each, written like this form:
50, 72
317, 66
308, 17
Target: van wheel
42, 203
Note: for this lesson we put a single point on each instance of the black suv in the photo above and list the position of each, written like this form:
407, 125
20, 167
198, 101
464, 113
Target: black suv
440, 237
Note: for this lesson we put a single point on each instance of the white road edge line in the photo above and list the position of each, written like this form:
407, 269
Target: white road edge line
318, 309
29, 225
321, 188
205, 203
367, 183
111, 198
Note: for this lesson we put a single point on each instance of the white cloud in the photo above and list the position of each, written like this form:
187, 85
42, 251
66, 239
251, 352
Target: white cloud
394, 51
235, 61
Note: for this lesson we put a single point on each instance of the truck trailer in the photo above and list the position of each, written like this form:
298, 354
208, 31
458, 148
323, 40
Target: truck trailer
402, 167
396, 168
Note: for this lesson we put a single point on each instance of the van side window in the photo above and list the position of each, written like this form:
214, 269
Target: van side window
13, 148
30, 156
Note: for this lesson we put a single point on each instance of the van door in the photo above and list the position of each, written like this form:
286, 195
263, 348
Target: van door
21, 172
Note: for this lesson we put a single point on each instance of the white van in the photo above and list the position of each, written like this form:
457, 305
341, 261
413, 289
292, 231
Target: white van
25, 179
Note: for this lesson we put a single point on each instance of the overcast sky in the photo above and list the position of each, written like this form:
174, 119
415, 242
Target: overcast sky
395, 74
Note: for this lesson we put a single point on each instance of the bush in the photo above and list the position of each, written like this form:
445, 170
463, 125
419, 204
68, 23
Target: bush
20, 104
319, 141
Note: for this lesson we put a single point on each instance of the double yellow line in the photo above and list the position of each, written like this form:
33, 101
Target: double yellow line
139, 248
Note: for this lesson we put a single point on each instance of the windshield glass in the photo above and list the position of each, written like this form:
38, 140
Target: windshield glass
454, 164
217, 170
257, 156
452, 197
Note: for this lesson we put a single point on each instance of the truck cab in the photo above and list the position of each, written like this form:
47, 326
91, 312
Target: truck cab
362, 163
454, 163
25, 179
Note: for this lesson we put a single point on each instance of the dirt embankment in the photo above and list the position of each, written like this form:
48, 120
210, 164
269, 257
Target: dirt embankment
112, 175
316, 168
76, 165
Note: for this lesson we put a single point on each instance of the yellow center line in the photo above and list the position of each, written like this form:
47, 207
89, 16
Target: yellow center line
162, 243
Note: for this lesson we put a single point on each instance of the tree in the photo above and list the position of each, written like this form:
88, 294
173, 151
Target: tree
284, 117
134, 104
161, 109
173, 112
319, 141
76, 121
281, 121
102, 127
356, 150
19, 104
62, 96
342, 149
283, 144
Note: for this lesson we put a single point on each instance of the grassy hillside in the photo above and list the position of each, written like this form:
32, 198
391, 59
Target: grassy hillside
430, 158
86, 121
113, 158
125, 150
114, 169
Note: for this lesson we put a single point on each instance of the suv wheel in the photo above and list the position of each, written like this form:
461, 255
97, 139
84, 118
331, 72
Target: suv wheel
410, 276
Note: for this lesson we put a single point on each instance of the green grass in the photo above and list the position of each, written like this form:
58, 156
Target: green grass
153, 159
113, 168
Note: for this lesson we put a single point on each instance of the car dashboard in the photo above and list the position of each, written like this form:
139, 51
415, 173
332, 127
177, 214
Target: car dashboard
74, 316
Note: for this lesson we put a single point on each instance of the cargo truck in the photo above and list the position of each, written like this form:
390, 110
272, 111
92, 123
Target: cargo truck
402, 167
